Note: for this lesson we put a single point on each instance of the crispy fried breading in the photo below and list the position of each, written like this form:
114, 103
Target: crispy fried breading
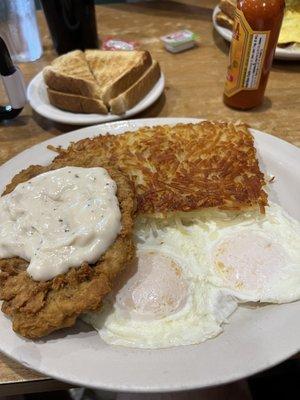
39, 308
184, 167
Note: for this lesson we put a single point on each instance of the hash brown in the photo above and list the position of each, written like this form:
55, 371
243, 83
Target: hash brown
184, 167
39, 308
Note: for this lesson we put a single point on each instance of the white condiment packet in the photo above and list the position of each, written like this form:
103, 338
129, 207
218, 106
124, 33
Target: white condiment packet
179, 41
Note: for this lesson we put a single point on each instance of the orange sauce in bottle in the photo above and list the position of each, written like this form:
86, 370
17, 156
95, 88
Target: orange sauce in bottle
255, 34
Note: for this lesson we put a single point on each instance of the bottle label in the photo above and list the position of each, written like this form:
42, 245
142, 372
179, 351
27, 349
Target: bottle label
246, 58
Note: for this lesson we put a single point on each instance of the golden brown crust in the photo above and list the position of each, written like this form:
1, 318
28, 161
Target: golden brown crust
128, 78
228, 7
70, 73
185, 167
86, 81
135, 93
225, 21
39, 308
116, 71
76, 103
55, 80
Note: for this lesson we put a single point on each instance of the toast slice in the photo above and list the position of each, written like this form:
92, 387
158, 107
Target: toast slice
76, 103
116, 71
136, 92
228, 7
223, 20
70, 73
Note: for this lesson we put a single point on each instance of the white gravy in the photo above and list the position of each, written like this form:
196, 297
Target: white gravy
59, 219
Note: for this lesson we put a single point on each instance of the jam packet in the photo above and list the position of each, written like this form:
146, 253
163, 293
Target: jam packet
115, 44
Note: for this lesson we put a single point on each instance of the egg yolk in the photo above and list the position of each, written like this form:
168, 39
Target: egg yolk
155, 290
248, 260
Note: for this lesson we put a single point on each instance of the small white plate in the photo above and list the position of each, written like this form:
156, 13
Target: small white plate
286, 53
254, 339
39, 101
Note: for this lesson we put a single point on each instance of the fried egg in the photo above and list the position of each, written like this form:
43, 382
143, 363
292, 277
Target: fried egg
256, 258
161, 300
193, 269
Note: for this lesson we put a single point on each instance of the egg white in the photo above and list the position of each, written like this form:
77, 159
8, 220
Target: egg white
200, 318
275, 226
191, 240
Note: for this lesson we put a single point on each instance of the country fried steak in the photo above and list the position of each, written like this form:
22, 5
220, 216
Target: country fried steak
39, 308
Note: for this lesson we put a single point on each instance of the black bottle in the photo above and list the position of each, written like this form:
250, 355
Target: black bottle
72, 24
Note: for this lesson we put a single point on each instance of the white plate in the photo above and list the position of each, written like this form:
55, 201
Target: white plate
39, 101
253, 340
286, 53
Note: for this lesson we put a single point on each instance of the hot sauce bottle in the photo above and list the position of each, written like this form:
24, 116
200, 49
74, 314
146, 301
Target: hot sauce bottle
255, 34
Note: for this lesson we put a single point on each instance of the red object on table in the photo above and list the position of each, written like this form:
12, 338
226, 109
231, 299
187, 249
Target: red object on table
255, 34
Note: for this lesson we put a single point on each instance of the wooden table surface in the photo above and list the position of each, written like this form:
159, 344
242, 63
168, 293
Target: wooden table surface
194, 86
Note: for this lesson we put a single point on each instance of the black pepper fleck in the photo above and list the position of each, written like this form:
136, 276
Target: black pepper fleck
60, 220
76, 176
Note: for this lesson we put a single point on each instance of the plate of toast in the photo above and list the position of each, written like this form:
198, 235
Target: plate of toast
288, 47
95, 86
204, 268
